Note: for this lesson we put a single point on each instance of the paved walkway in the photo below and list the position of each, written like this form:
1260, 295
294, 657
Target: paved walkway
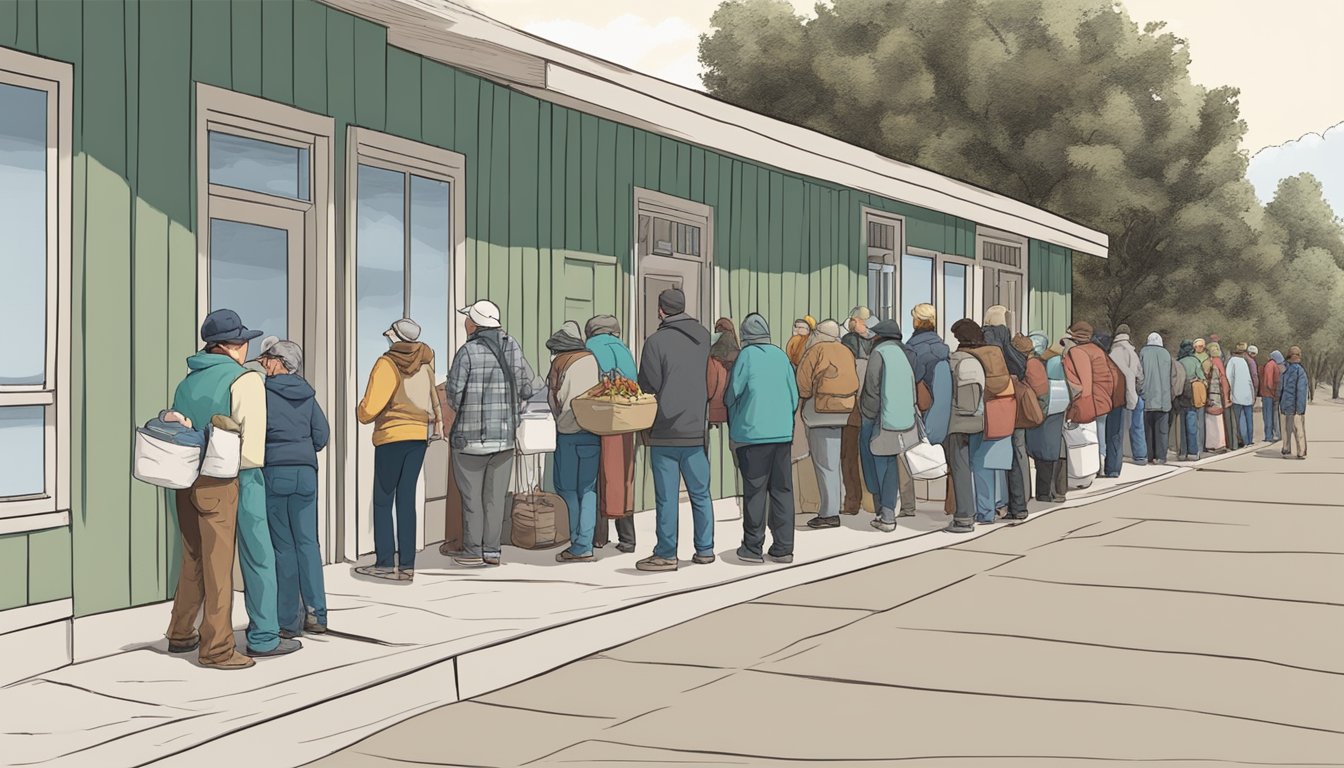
1188, 623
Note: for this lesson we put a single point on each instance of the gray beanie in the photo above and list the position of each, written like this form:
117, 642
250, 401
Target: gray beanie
672, 301
287, 352
406, 329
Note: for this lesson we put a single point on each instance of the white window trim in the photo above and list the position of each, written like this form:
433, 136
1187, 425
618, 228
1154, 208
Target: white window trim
869, 215
240, 114
983, 234
57, 80
368, 147
685, 211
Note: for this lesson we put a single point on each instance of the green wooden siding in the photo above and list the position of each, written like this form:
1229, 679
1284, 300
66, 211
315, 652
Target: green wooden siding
549, 220
1050, 288
34, 567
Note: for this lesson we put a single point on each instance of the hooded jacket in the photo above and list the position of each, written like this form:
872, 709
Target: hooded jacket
880, 389
997, 333
573, 371
1270, 374
1158, 375
399, 399
216, 385
935, 372
1127, 360
672, 366
1293, 389
1240, 380
762, 395
1216, 375
1186, 359
296, 428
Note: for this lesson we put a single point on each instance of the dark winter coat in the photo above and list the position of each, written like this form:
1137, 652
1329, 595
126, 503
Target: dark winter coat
296, 428
672, 367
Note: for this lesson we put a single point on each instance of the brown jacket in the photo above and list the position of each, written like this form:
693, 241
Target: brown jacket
716, 377
828, 374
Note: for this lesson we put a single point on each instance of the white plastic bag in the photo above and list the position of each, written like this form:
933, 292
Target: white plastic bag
223, 454
1083, 457
164, 464
536, 430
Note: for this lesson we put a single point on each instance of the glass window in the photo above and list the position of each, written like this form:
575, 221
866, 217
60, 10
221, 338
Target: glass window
431, 249
22, 451
916, 285
380, 270
954, 293
249, 273
23, 247
259, 166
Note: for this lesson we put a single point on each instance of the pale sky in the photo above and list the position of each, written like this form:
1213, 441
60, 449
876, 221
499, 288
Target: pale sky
1283, 54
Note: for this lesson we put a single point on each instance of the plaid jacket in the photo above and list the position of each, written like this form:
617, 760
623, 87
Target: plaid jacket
479, 393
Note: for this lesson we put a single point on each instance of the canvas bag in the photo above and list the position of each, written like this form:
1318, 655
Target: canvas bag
538, 519
924, 460
1084, 460
167, 455
223, 453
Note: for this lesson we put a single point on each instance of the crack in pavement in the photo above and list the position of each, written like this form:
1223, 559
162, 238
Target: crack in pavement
1225, 551
1260, 502
538, 711
1170, 589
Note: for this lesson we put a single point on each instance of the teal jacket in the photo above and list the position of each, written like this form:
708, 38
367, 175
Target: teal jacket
612, 355
205, 392
762, 396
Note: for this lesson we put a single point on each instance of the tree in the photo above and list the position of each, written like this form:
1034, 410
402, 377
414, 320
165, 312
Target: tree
1063, 104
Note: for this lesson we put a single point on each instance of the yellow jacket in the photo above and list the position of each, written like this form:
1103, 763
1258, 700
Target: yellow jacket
400, 400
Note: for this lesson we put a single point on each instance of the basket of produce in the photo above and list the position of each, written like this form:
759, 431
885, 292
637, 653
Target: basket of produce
615, 406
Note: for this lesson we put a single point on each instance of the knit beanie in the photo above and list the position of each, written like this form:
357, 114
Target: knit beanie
1081, 332
1123, 330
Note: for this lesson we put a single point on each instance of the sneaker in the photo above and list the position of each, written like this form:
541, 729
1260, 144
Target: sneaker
626, 548
883, 525
492, 559
286, 646
373, 571
405, 574
565, 556
703, 559
186, 646
1060, 499
1018, 516
469, 561
749, 557
786, 559
656, 563
907, 513
235, 661
285, 634
311, 627
824, 522
447, 550
959, 528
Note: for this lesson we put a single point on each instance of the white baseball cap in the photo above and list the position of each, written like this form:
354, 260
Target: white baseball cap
483, 313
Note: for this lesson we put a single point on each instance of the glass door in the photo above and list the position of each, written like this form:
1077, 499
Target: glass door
256, 268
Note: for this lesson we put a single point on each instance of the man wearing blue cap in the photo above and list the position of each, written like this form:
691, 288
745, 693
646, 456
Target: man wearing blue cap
217, 384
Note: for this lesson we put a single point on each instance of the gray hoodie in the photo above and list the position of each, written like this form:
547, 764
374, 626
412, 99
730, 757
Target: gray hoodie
1127, 360
672, 367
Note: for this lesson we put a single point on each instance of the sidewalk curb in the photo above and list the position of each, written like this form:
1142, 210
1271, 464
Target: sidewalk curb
344, 719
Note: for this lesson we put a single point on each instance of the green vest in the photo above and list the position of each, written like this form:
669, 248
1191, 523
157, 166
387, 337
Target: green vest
898, 388
205, 391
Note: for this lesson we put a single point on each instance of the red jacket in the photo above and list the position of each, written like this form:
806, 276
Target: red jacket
1091, 377
1269, 379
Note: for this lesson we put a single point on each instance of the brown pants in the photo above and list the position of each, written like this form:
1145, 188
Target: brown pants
1294, 433
207, 514
850, 470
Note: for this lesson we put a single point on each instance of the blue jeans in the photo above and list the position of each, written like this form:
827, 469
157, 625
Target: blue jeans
1269, 412
291, 510
256, 559
1192, 419
576, 464
1101, 437
691, 464
1114, 440
396, 473
888, 481
1138, 442
1246, 423
867, 461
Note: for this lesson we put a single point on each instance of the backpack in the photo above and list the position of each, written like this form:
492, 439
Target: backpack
1029, 411
968, 387
1199, 392
997, 378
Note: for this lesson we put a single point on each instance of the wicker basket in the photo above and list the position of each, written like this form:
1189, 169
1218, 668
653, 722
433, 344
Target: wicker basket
614, 416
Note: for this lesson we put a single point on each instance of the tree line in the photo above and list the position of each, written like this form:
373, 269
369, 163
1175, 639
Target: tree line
1071, 106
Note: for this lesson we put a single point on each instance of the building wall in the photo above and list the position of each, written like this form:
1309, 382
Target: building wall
549, 206
1049, 288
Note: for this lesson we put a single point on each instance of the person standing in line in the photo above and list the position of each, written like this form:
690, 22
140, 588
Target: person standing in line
488, 383
723, 352
997, 334
1293, 393
828, 385
990, 457
1158, 386
933, 374
1045, 443
616, 472
888, 406
296, 430
216, 384
577, 452
1127, 360
1241, 380
1188, 414
1216, 437
400, 402
967, 421
855, 459
1202, 357
672, 368
1269, 390
798, 342
762, 398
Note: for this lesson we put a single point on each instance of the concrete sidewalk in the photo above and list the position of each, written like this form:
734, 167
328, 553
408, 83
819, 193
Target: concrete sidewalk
457, 633
1189, 623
